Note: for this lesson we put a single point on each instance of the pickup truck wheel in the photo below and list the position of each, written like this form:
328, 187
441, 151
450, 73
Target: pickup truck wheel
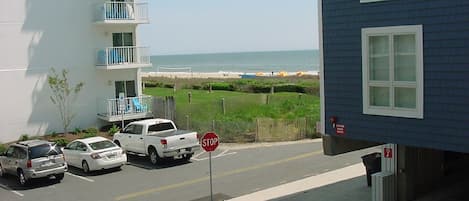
187, 157
59, 177
154, 158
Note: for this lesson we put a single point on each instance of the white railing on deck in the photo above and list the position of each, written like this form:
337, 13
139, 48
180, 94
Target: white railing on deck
123, 11
123, 55
131, 105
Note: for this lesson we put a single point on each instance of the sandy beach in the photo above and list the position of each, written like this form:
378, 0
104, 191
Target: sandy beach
228, 75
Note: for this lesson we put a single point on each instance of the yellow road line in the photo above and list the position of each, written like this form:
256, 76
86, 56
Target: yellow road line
194, 181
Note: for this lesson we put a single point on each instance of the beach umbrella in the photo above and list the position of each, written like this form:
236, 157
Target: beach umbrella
282, 74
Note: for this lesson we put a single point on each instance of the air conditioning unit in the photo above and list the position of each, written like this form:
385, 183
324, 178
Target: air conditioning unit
383, 186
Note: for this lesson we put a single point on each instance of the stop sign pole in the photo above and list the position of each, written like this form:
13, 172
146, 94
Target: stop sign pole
209, 143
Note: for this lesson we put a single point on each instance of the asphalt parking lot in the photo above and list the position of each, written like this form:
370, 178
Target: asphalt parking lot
236, 171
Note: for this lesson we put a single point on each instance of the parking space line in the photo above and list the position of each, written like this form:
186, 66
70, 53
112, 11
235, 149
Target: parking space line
217, 176
80, 177
217, 156
17, 193
197, 155
9, 189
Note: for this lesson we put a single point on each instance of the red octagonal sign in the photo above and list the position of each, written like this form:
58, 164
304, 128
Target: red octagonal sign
209, 142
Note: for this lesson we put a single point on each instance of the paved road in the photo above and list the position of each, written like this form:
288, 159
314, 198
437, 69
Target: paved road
235, 172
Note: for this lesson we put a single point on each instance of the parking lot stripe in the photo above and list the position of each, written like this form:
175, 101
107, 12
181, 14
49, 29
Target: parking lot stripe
197, 155
217, 156
202, 179
80, 177
16, 192
9, 189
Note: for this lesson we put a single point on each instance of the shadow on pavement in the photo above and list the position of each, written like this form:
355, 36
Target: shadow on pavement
354, 189
216, 197
144, 162
78, 171
11, 182
453, 188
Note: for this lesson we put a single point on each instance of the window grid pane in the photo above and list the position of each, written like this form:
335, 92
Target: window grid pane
379, 96
379, 58
405, 97
405, 61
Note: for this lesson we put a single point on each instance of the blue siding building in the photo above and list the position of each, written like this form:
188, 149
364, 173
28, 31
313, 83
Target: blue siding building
396, 71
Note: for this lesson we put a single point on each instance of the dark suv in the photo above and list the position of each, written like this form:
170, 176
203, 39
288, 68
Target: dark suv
33, 159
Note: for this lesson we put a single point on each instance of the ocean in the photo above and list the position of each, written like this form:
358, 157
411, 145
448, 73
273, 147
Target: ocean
243, 62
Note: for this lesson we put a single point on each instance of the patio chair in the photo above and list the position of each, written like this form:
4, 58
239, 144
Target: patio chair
127, 108
138, 106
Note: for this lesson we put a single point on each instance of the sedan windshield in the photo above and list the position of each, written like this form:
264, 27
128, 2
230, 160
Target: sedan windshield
43, 151
101, 145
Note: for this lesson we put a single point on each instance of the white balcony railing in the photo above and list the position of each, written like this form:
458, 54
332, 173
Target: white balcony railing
130, 108
112, 56
122, 12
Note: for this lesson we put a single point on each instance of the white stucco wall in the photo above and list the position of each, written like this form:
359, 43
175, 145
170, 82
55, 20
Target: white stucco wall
37, 35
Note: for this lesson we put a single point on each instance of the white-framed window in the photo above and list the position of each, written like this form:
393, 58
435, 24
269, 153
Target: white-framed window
392, 59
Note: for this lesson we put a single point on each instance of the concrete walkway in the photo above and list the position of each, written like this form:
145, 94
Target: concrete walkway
348, 183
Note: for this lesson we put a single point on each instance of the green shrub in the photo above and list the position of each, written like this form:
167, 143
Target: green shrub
24, 137
62, 142
88, 135
77, 131
259, 89
221, 86
114, 129
153, 84
3, 148
91, 130
53, 134
37, 137
168, 85
196, 87
290, 88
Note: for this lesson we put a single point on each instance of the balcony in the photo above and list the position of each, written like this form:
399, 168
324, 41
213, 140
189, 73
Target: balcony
122, 13
123, 58
131, 108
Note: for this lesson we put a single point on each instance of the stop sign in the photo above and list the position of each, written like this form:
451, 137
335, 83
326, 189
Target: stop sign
209, 142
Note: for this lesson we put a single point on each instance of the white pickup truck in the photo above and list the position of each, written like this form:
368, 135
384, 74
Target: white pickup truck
158, 139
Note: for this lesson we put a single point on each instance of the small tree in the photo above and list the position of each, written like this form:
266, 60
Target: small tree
63, 95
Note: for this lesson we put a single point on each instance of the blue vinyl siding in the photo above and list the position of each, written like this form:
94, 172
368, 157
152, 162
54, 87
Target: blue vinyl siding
446, 71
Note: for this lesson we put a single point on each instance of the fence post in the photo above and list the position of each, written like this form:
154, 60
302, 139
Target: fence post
223, 105
213, 125
256, 139
189, 94
267, 99
166, 106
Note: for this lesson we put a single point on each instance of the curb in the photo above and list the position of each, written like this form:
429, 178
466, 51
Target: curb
236, 146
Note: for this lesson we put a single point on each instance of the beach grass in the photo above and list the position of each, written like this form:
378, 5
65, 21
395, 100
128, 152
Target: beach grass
240, 106
236, 111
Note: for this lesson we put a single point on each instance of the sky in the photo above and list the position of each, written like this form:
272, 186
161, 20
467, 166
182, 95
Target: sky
212, 26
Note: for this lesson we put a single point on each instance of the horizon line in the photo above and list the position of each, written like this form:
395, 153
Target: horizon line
231, 52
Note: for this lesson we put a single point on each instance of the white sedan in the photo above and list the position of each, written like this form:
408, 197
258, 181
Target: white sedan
95, 153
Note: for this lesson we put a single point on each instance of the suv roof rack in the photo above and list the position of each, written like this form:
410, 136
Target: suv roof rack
32, 142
